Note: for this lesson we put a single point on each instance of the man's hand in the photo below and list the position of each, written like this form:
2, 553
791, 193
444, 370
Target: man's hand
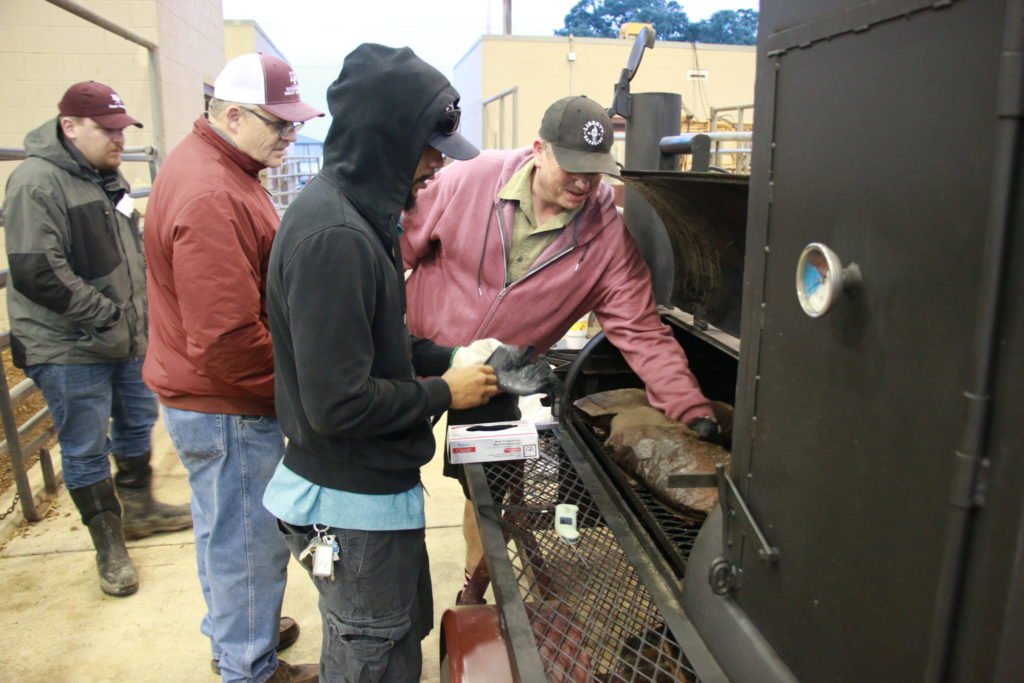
471, 386
476, 353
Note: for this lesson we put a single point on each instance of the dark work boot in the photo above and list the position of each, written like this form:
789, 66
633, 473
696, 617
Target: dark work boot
144, 516
101, 514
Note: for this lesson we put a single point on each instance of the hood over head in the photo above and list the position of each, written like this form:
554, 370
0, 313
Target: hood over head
386, 105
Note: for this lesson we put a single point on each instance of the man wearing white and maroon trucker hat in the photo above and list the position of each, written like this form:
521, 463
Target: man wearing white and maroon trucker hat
209, 228
77, 306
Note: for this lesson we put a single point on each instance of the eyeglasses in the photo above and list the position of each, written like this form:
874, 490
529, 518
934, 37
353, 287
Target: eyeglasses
449, 121
282, 127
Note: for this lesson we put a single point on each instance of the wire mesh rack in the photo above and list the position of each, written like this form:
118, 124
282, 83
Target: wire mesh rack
591, 616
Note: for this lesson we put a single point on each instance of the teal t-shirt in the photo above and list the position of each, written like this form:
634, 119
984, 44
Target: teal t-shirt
300, 502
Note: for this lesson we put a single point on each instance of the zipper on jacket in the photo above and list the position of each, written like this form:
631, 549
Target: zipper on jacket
508, 286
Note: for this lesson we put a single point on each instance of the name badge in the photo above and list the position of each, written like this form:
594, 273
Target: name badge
126, 205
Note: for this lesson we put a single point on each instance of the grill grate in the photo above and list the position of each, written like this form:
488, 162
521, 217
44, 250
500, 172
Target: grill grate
592, 619
679, 531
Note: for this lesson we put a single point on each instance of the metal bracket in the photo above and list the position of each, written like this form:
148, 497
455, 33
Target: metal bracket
692, 481
737, 520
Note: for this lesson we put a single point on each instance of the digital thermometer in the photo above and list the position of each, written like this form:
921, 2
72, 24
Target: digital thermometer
565, 521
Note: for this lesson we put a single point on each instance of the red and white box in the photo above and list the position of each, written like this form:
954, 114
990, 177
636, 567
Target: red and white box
492, 442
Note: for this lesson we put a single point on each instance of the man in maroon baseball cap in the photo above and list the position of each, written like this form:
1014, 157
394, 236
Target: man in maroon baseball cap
77, 305
98, 102
262, 88
209, 228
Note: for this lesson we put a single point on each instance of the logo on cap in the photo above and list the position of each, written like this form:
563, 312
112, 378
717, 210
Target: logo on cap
118, 104
593, 133
292, 89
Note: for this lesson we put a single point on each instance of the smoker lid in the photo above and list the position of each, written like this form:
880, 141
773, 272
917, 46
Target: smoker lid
705, 215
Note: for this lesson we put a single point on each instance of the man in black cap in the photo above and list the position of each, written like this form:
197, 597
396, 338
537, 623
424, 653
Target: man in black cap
517, 245
77, 304
349, 391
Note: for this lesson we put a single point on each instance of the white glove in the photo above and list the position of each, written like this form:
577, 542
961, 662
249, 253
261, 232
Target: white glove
476, 353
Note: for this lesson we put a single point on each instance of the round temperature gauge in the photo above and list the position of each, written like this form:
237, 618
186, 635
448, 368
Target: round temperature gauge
819, 279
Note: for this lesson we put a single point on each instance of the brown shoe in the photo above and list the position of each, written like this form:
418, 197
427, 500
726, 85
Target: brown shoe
289, 634
295, 673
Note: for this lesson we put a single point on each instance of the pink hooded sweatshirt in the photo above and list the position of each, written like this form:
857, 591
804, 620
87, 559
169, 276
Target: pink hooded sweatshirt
455, 241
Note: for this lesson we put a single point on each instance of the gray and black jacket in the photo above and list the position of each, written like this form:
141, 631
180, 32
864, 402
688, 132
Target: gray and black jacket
77, 289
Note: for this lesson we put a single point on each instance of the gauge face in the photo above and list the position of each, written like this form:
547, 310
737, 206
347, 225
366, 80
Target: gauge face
818, 279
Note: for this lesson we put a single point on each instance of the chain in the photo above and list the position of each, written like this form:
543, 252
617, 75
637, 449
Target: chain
10, 509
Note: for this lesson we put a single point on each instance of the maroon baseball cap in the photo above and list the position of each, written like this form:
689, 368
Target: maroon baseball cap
98, 102
263, 80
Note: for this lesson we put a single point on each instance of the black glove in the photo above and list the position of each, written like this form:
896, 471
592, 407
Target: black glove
706, 428
518, 375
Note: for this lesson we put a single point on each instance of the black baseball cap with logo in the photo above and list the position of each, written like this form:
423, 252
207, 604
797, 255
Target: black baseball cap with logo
581, 134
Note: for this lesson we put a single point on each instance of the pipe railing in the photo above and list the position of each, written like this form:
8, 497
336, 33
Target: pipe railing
10, 401
137, 154
500, 98
156, 97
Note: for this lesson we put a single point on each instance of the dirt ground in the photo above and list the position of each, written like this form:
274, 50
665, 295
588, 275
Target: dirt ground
22, 413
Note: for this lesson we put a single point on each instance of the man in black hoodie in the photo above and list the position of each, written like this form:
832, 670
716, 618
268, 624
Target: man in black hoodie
357, 417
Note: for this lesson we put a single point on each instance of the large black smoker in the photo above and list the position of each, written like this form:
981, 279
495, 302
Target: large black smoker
872, 525
879, 445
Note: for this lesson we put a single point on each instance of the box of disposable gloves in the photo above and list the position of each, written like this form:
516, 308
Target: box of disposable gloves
492, 441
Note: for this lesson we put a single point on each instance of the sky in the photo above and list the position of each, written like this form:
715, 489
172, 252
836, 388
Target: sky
315, 35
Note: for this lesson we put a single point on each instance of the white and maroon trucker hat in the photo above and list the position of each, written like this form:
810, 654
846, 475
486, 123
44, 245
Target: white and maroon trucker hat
263, 80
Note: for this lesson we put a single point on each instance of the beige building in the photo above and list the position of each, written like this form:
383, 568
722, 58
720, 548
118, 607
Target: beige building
531, 73
242, 36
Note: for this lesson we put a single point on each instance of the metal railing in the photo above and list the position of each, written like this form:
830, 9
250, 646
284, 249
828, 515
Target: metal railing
147, 155
706, 149
286, 181
741, 156
502, 99
10, 401
156, 97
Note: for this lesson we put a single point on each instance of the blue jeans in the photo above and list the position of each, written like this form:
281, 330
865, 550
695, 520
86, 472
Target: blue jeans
376, 609
241, 557
96, 407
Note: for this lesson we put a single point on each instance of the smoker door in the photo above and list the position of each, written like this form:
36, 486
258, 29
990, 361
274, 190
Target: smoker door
876, 136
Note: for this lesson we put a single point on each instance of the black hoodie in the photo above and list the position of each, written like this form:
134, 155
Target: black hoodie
356, 417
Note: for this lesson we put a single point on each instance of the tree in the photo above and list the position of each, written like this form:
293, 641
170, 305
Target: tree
602, 19
728, 27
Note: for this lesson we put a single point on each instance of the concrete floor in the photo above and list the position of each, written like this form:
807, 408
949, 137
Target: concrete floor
59, 627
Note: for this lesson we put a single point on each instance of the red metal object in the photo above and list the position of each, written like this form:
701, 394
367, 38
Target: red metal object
472, 642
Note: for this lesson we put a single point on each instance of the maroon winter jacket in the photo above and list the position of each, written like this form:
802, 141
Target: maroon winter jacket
208, 231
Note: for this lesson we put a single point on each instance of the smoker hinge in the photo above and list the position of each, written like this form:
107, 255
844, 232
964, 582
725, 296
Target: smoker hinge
970, 469
737, 521
970, 481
